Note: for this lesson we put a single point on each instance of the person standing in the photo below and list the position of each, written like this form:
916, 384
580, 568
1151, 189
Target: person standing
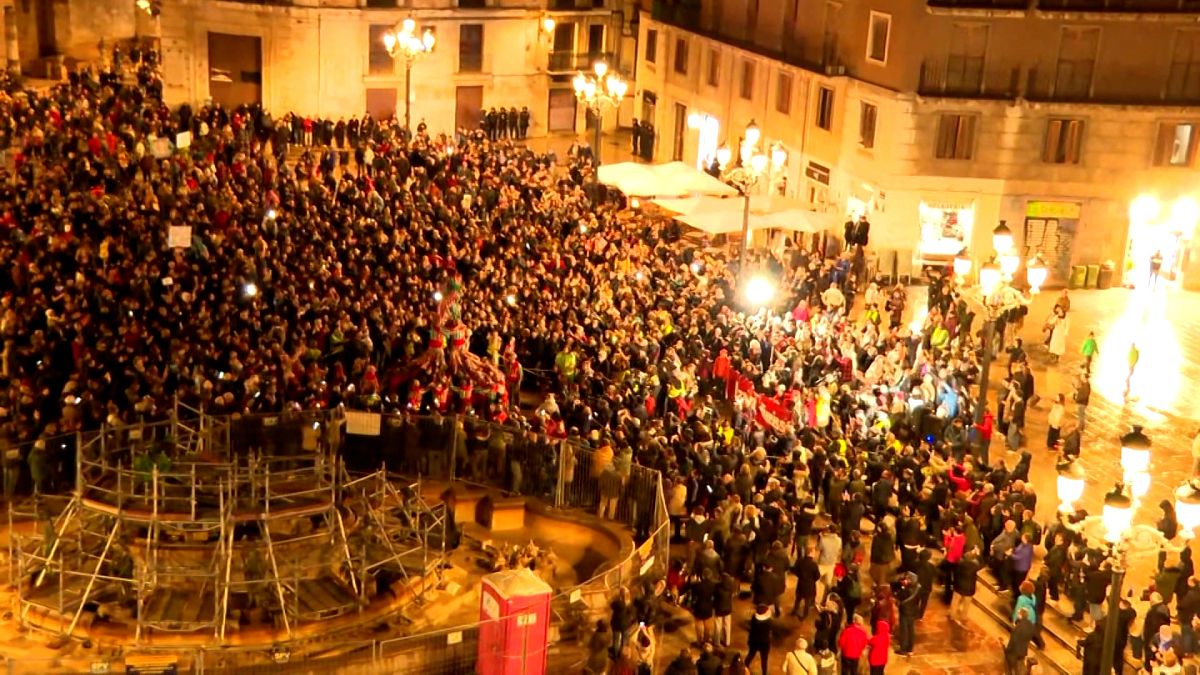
1156, 262
852, 643
880, 644
1089, 350
1083, 394
621, 621
1017, 647
965, 579
759, 640
1054, 422
1134, 357
1056, 342
909, 600
799, 661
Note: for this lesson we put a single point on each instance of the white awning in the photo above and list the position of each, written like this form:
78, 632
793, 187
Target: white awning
719, 216
674, 179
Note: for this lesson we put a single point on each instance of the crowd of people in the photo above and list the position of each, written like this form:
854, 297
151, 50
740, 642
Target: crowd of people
822, 436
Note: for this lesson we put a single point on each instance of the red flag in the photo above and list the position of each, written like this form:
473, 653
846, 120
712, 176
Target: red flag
773, 414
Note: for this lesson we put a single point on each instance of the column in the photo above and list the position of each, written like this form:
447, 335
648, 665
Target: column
11, 47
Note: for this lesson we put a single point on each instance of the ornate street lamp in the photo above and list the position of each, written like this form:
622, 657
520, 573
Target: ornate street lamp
754, 166
597, 90
1070, 485
1036, 273
405, 43
1002, 238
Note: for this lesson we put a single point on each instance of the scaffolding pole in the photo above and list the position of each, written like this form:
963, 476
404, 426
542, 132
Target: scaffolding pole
112, 534
266, 530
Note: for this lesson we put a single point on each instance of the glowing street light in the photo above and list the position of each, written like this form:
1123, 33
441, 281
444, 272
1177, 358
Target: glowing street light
1036, 273
405, 43
1145, 208
962, 264
1002, 238
597, 90
1187, 508
250, 289
1117, 515
989, 279
1070, 485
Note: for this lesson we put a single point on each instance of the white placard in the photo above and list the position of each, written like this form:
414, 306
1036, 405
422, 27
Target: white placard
179, 236
576, 596
183, 140
168, 281
363, 423
454, 638
646, 566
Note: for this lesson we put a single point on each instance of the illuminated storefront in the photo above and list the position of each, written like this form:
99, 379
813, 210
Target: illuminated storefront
946, 227
1159, 235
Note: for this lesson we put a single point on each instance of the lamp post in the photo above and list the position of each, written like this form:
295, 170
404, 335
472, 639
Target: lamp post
993, 277
405, 43
596, 90
751, 167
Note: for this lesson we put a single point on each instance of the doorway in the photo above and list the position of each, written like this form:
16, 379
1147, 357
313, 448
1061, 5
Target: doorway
561, 115
234, 69
381, 103
468, 107
47, 38
678, 131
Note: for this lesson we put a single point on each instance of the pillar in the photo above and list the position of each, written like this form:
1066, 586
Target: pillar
13, 56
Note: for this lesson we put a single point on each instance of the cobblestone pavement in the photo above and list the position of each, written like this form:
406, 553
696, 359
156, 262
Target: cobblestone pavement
1164, 393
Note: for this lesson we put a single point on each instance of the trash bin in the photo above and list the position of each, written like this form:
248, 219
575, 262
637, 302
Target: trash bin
1078, 277
1093, 275
1107, 271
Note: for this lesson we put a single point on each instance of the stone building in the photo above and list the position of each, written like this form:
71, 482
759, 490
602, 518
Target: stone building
1074, 121
327, 57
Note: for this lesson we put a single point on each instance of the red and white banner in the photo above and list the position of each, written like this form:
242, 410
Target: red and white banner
768, 412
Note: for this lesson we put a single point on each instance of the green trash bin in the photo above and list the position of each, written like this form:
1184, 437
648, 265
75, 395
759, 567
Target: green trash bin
1107, 272
1078, 277
1093, 276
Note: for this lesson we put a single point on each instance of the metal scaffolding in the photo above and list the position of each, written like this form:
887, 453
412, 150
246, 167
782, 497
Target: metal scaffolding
188, 526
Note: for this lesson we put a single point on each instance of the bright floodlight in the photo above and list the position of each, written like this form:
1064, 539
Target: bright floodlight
251, 290
779, 156
695, 268
437, 296
548, 25
1144, 209
601, 69
759, 291
271, 214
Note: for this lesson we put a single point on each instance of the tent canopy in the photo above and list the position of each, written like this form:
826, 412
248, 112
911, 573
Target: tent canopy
674, 179
720, 216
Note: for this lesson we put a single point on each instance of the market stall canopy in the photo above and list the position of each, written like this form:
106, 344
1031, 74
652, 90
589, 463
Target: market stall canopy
673, 179
719, 216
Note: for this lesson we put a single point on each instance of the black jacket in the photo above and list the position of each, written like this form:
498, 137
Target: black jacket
760, 631
967, 577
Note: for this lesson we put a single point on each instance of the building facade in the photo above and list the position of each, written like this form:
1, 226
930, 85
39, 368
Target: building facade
1074, 121
327, 57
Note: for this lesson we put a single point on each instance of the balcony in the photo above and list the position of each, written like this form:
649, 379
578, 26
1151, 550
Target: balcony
570, 62
1121, 6
964, 77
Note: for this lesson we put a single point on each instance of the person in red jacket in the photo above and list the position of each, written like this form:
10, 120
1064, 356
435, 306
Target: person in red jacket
851, 645
954, 540
879, 645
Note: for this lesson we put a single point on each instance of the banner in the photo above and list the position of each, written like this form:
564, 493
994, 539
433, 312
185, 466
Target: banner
183, 140
768, 412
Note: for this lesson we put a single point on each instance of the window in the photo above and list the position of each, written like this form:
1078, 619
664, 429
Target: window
955, 137
751, 26
747, 91
867, 115
379, 62
1175, 144
1183, 80
830, 36
783, 93
651, 46
825, 108
1063, 140
681, 56
1076, 62
470, 48
467, 4
714, 68
878, 32
964, 65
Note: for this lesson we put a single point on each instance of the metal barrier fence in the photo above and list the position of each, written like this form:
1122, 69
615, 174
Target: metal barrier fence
566, 474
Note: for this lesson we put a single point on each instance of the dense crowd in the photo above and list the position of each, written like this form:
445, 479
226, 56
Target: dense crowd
823, 436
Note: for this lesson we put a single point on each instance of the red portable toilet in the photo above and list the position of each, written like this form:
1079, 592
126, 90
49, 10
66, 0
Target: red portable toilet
514, 611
